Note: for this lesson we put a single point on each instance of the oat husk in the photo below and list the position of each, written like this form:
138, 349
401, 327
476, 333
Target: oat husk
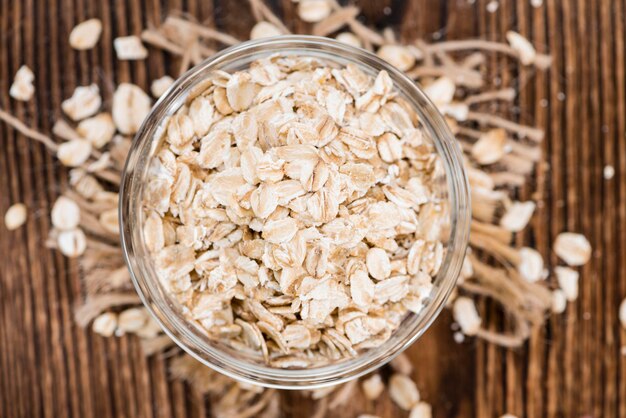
94, 186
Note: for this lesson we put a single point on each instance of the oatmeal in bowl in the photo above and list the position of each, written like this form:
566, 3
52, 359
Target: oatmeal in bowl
294, 212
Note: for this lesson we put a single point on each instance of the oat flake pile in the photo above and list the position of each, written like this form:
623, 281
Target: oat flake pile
290, 210
93, 140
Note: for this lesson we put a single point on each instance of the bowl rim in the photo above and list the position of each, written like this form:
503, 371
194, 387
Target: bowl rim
183, 333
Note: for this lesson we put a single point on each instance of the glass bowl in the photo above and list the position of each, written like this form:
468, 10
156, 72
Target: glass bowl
166, 310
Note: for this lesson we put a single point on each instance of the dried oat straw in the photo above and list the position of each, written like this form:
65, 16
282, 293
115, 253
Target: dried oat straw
293, 223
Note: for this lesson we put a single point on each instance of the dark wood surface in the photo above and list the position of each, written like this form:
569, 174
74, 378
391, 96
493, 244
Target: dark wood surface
572, 368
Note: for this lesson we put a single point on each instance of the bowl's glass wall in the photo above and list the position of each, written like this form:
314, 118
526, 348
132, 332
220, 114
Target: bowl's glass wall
452, 188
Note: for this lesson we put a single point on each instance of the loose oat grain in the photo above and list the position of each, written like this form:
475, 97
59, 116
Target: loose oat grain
313, 11
264, 30
130, 107
524, 48
129, 48
572, 248
466, 315
421, 410
74, 153
559, 301
160, 85
398, 56
72, 243
517, 216
98, 130
131, 320
22, 88
15, 216
403, 391
86, 34
85, 101
568, 282
65, 214
349, 38
531, 264
105, 324
373, 387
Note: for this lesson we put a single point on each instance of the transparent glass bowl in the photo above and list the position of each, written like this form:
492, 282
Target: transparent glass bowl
166, 310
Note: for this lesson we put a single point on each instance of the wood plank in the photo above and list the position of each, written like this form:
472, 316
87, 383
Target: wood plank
49, 367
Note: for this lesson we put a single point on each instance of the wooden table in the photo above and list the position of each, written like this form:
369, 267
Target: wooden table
572, 368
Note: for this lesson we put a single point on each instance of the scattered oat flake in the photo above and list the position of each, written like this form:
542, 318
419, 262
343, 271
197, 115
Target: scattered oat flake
403, 391
441, 91
65, 213
130, 107
536, 3
74, 153
622, 313
568, 282
373, 387
313, 10
559, 301
572, 248
129, 48
22, 87
72, 243
264, 30
397, 55
517, 216
458, 111
531, 264
15, 216
421, 410
85, 101
492, 6
86, 34
160, 85
105, 324
522, 45
490, 147
131, 320
508, 416
608, 172
98, 130
466, 315
349, 38
402, 364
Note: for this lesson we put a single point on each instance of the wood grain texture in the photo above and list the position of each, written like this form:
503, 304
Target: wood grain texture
572, 368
